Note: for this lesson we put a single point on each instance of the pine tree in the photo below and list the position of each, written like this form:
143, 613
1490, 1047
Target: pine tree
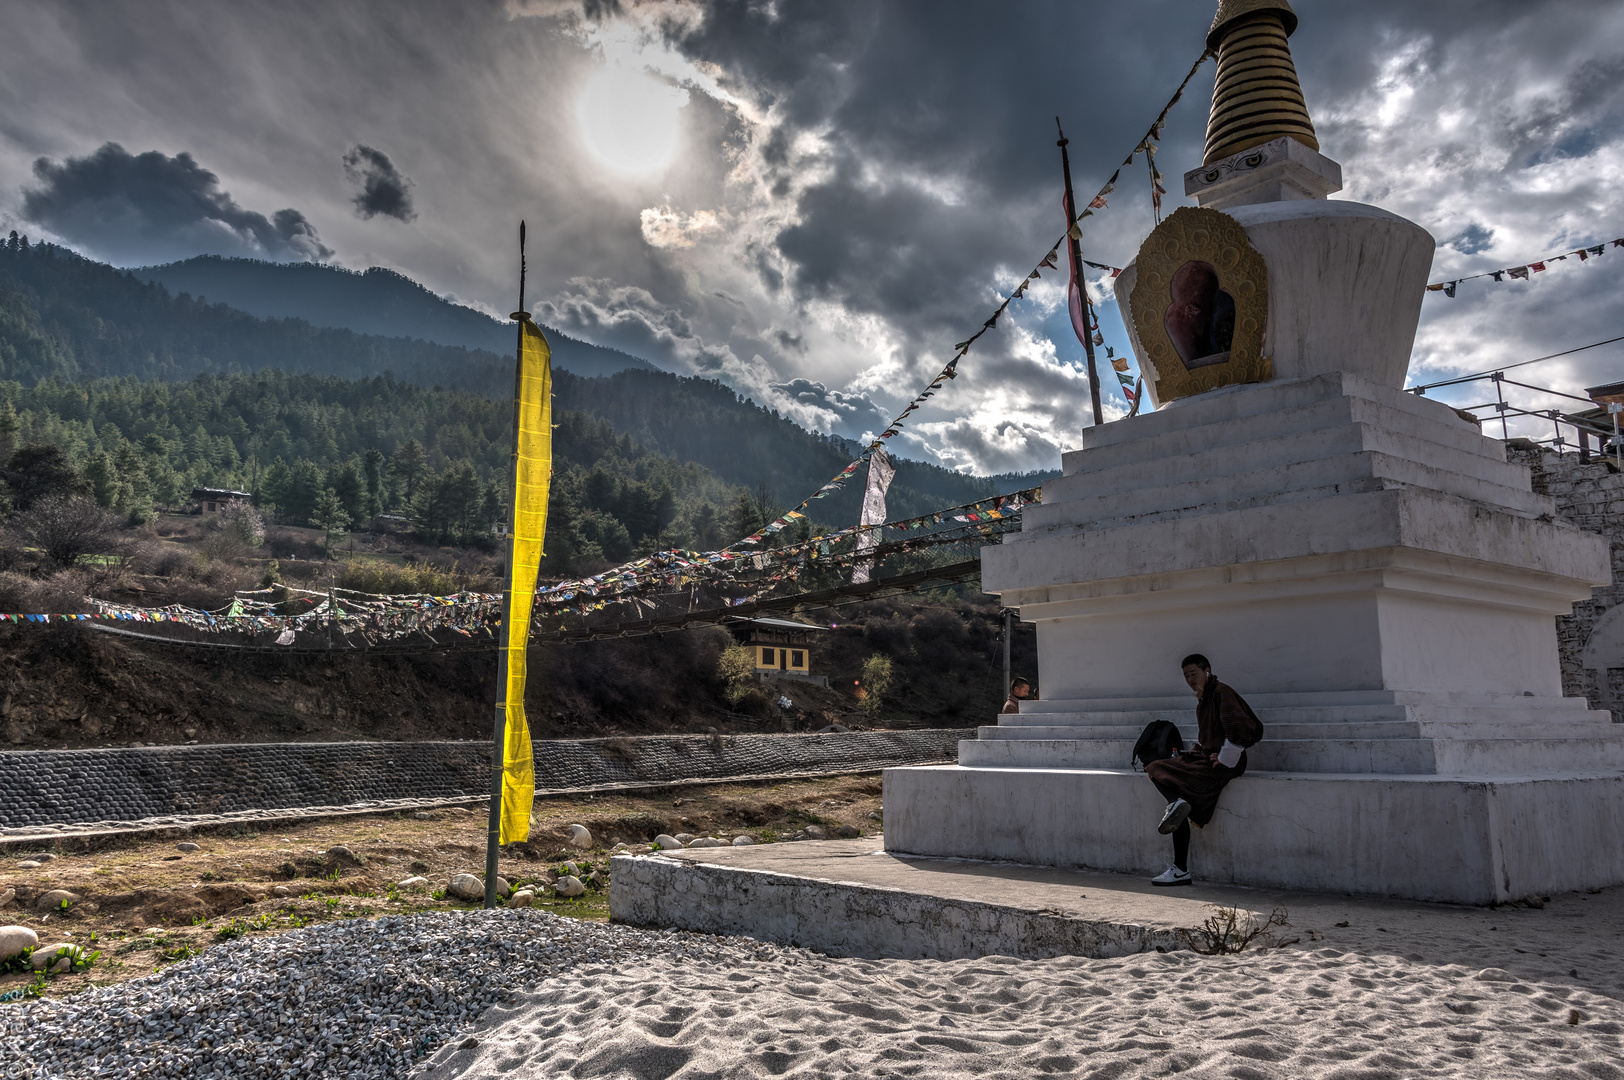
8, 424
329, 516
372, 473
410, 461
103, 478
273, 486
346, 480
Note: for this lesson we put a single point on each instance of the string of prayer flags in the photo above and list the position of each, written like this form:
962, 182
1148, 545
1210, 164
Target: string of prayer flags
1527, 270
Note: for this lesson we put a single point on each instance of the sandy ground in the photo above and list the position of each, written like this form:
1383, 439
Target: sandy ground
1401, 991
144, 903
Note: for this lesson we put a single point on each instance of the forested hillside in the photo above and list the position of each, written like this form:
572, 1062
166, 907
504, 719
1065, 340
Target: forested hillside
374, 301
378, 445
156, 393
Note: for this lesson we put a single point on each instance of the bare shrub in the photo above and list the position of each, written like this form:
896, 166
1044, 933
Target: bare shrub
69, 529
166, 560
235, 531
16, 593
372, 576
58, 594
1228, 931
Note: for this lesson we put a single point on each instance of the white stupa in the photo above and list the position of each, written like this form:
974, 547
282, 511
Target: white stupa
1362, 564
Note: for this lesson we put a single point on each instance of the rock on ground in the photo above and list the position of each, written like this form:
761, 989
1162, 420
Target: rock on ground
49, 901
14, 939
466, 887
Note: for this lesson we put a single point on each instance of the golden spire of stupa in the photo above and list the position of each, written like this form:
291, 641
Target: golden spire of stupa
1257, 97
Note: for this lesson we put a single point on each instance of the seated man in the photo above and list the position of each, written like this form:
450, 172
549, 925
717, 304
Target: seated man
1019, 691
1191, 779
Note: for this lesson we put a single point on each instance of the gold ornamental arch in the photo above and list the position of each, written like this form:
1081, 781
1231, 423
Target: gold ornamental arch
1200, 304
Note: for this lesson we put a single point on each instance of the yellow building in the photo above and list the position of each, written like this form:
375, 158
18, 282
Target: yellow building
783, 648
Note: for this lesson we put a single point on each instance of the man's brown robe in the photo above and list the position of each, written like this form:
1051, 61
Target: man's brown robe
1195, 774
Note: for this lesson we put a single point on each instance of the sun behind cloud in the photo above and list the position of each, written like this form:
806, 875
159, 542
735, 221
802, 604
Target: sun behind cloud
630, 121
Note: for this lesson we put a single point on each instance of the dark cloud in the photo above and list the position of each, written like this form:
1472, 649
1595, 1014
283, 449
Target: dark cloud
149, 207
384, 189
858, 183
855, 413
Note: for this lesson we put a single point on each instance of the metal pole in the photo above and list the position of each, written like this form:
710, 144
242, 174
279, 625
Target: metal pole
1076, 247
1618, 452
493, 832
1500, 392
1008, 623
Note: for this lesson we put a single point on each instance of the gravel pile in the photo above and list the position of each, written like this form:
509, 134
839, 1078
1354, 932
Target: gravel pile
357, 999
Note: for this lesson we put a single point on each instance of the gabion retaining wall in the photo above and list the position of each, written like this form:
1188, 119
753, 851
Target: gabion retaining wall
126, 786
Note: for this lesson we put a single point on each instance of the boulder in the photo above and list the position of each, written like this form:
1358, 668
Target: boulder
1495, 975
14, 939
522, 898
569, 885
7, 896
684, 837
571, 868
815, 832
705, 841
344, 855
28, 864
43, 856
580, 837
466, 887
186, 845
420, 882
281, 890
742, 841
846, 832
57, 958
52, 901
667, 843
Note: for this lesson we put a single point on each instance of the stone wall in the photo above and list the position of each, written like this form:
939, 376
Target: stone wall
123, 787
1591, 495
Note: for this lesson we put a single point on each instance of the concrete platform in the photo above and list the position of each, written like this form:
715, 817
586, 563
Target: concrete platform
1453, 839
854, 898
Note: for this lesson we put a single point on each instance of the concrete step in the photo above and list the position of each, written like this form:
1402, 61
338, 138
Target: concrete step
1590, 725
1343, 474
1322, 414
1353, 756
1392, 729
1254, 403
1340, 436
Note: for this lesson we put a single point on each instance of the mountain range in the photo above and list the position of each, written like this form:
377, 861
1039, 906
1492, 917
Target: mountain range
69, 320
375, 301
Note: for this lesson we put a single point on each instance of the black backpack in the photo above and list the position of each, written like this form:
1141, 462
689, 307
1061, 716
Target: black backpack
1160, 740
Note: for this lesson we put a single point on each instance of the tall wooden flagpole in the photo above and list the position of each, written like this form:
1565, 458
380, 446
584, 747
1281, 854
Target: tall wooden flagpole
499, 734
1076, 248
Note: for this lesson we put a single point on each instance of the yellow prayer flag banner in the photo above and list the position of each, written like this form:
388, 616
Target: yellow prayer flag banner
533, 476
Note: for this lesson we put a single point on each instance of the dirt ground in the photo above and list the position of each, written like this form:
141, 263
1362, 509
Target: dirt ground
145, 903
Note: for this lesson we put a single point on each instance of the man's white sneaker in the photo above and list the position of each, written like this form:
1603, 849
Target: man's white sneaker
1171, 876
1176, 814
